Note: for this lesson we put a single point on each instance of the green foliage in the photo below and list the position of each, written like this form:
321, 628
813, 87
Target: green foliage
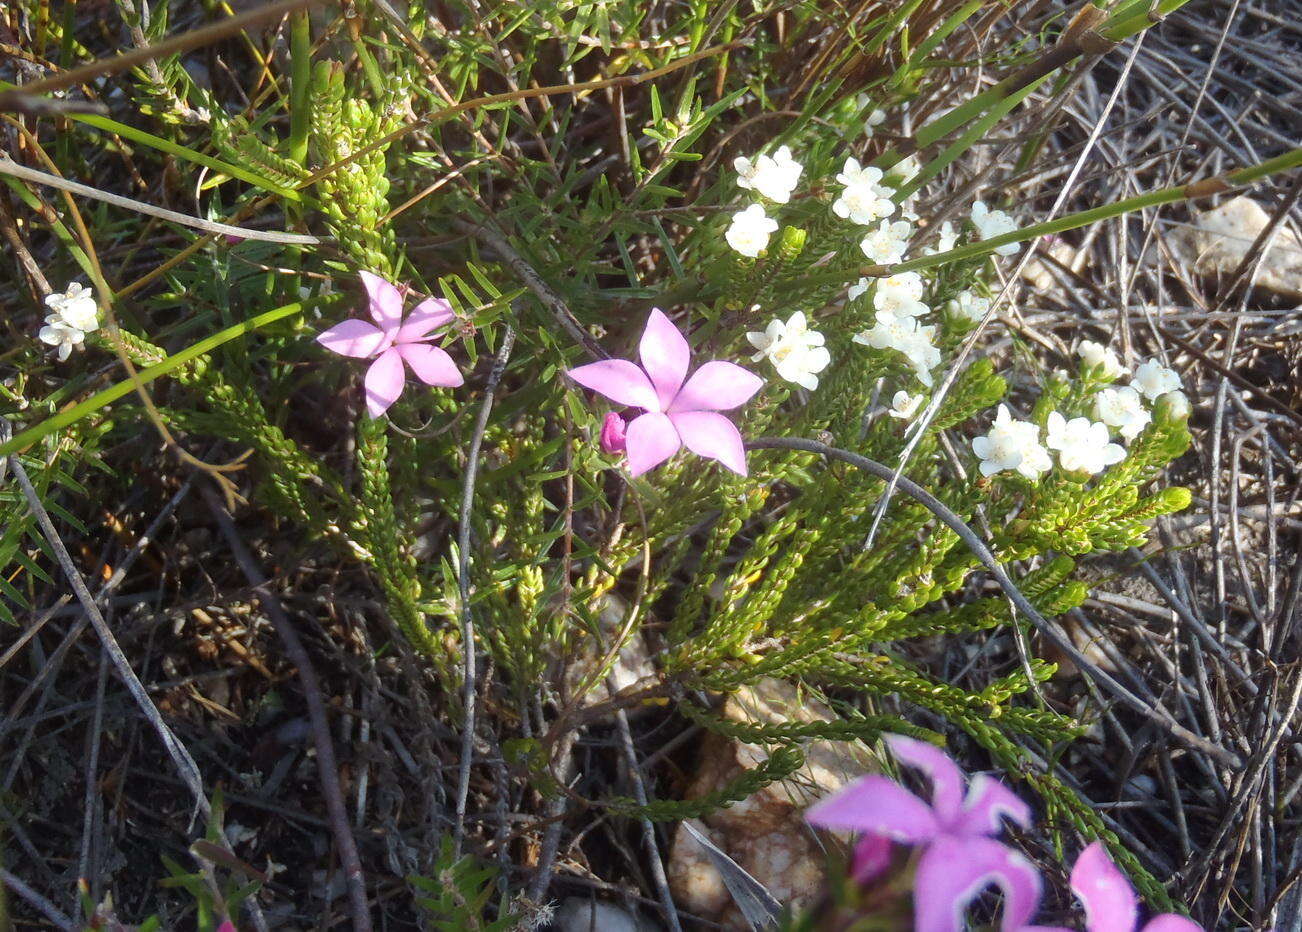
617, 200
458, 892
781, 762
222, 881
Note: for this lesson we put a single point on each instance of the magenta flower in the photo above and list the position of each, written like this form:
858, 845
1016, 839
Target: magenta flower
394, 342
678, 411
960, 858
1109, 900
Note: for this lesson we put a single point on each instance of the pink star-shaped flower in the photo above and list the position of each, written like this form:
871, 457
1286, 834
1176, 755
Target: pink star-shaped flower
960, 857
678, 411
1109, 900
393, 342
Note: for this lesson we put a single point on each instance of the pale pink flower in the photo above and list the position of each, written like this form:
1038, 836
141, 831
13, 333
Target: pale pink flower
1109, 900
393, 342
678, 411
960, 857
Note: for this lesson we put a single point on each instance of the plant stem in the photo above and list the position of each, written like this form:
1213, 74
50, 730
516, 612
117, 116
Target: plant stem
300, 97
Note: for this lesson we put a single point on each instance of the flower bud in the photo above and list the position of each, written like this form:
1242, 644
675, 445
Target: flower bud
613, 433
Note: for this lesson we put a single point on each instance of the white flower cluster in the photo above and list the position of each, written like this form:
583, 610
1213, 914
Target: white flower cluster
864, 199
1011, 444
796, 352
897, 300
969, 306
75, 314
1082, 445
1124, 408
773, 177
869, 198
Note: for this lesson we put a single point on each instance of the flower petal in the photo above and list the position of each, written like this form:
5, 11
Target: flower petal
384, 300
352, 337
619, 380
384, 381
875, 805
1170, 922
713, 436
432, 365
953, 871
424, 319
1109, 901
717, 386
987, 802
946, 778
872, 857
665, 356
650, 440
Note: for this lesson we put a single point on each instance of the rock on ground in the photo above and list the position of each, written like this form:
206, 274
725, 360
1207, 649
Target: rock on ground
1218, 240
766, 834
580, 914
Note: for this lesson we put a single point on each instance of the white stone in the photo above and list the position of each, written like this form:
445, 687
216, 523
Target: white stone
1219, 239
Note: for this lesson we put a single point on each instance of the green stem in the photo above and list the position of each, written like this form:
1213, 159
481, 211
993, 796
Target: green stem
300, 97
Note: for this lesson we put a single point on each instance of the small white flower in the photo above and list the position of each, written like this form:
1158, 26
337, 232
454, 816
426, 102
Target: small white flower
858, 288
1153, 379
750, 230
923, 354
60, 333
887, 242
864, 200
874, 119
990, 223
904, 405
854, 175
796, 352
1123, 409
1011, 444
901, 295
904, 335
774, 177
1179, 403
945, 241
1082, 445
969, 306
76, 307
888, 332
862, 205
904, 169
1095, 355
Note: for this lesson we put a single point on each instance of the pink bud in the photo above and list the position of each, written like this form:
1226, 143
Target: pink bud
233, 240
613, 432
226, 926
